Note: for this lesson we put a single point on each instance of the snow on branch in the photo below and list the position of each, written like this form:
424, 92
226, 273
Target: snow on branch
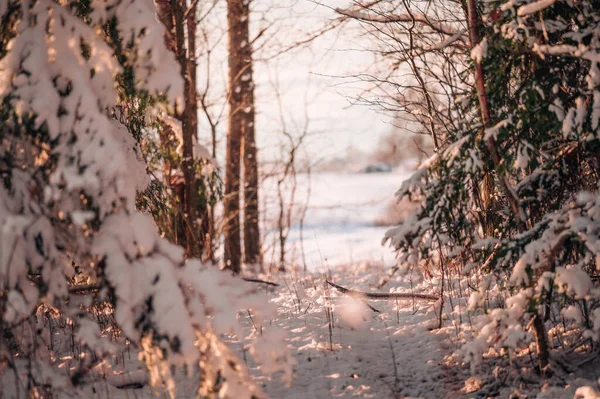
580, 51
438, 27
534, 7
70, 178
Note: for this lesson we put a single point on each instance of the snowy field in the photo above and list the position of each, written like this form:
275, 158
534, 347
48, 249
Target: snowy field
340, 223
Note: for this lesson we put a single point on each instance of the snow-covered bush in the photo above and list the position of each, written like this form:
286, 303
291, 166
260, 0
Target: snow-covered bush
541, 148
69, 176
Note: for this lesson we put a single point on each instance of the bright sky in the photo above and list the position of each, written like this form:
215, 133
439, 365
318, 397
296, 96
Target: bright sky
312, 81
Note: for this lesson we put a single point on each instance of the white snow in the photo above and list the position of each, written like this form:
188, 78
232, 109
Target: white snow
392, 354
479, 51
534, 7
365, 344
340, 223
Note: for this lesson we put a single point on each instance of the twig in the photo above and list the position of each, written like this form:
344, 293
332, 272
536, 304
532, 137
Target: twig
252, 320
255, 280
83, 289
370, 307
396, 378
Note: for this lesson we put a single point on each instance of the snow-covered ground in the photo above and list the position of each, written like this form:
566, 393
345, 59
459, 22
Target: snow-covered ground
390, 354
339, 227
343, 346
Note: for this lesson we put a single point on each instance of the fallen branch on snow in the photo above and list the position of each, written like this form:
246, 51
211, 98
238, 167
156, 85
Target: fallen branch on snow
255, 280
382, 295
370, 307
131, 380
84, 289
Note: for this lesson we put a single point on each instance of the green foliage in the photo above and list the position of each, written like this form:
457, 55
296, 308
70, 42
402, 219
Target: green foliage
542, 86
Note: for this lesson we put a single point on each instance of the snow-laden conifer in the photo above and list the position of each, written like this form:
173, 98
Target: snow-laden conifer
515, 198
70, 172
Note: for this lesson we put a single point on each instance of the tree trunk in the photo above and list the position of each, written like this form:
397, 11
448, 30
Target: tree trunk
509, 193
212, 234
202, 227
513, 201
252, 250
196, 233
542, 342
235, 11
189, 120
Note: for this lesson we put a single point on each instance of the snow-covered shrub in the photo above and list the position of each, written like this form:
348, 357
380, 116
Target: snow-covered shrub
542, 83
69, 175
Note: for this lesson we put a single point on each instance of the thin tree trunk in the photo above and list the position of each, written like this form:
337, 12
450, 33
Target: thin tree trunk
509, 193
235, 10
281, 225
252, 250
541, 341
211, 243
245, 82
189, 123
202, 231
211, 246
197, 232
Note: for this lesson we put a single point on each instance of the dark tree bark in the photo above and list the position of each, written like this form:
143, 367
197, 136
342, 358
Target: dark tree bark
252, 251
175, 14
189, 125
202, 227
235, 10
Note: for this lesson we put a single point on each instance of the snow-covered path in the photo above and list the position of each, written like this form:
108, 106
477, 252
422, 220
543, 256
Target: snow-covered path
396, 353
356, 357
358, 360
